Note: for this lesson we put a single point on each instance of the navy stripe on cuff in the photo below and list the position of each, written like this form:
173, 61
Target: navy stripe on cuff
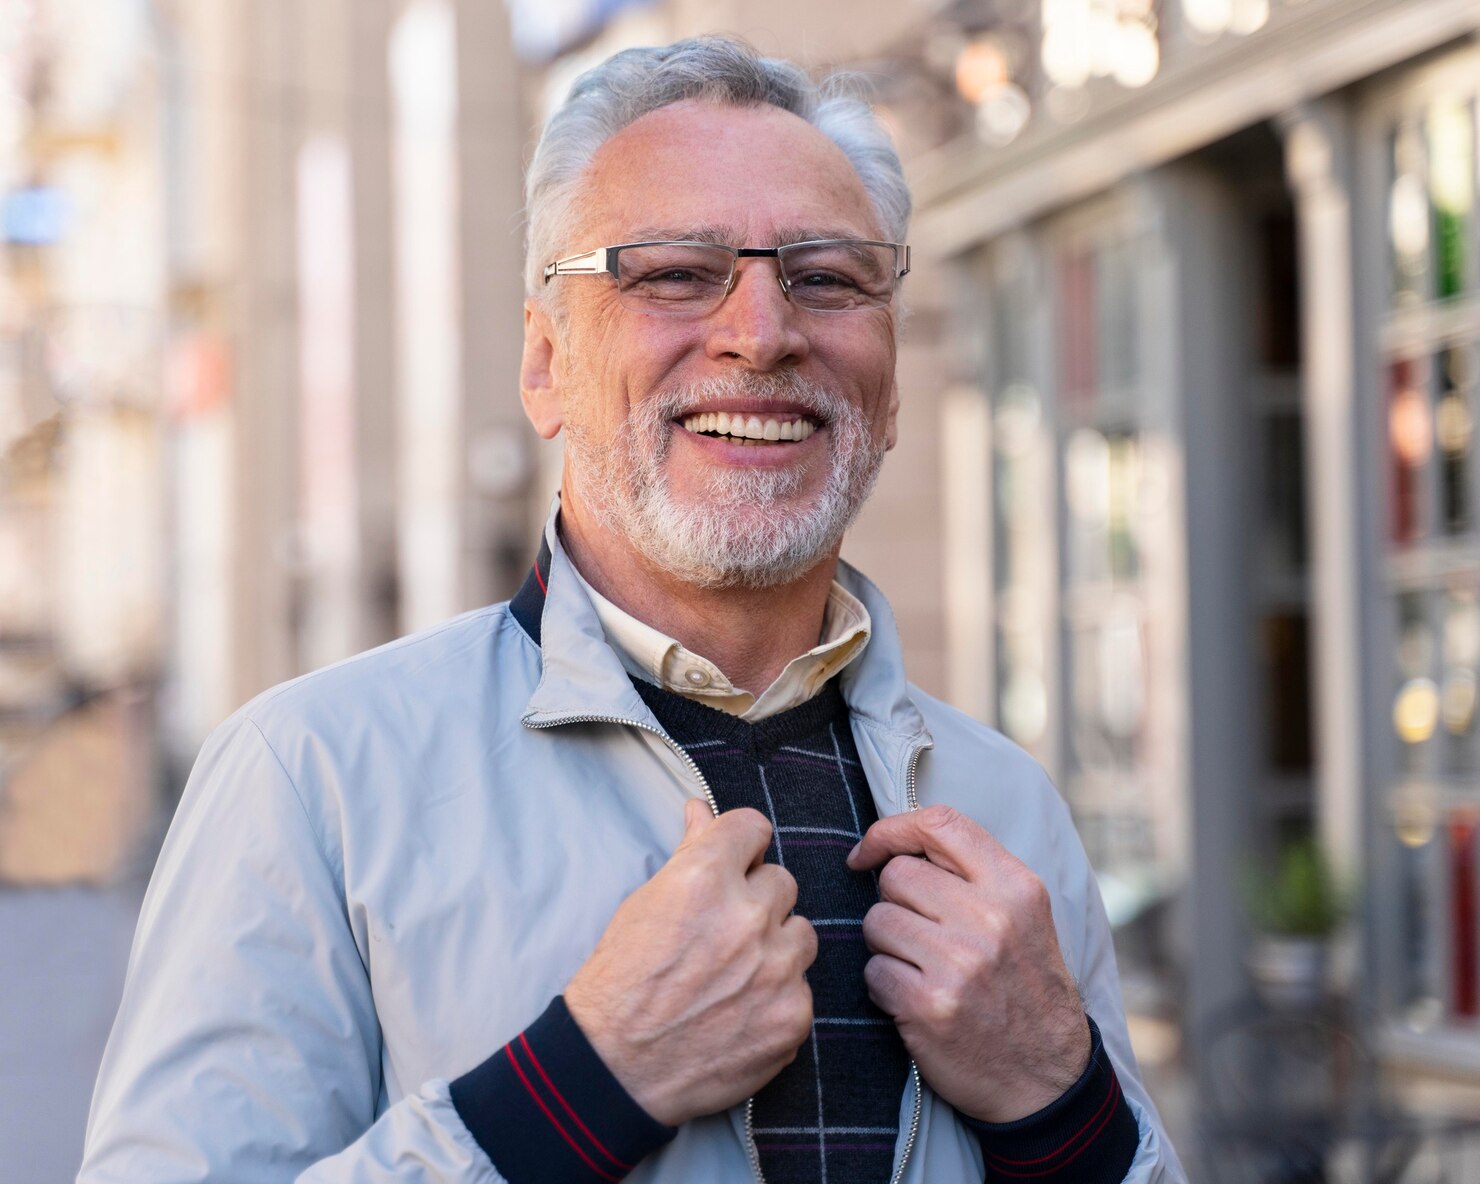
547, 1110
1088, 1135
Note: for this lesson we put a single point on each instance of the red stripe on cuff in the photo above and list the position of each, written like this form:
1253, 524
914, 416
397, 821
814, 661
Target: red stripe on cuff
1107, 1104
550, 1085
1090, 1142
555, 1122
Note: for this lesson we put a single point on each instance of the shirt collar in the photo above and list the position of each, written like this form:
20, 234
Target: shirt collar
652, 655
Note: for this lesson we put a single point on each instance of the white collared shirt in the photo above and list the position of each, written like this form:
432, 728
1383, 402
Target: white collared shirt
650, 654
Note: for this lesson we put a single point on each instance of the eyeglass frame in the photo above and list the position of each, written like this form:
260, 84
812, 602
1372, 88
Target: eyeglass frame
603, 261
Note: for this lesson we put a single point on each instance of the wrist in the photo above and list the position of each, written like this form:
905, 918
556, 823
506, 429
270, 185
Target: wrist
622, 1059
546, 1109
1041, 1083
1086, 1136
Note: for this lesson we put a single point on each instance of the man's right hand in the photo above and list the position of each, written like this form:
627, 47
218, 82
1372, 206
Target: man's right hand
695, 996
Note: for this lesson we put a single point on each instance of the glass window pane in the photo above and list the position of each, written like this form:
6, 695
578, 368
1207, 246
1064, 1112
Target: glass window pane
1464, 984
1285, 643
1421, 857
1115, 308
1410, 441
1284, 539
1416, 699
1452, 184
1408, 217
1454, 431
1077, 349
1460, 659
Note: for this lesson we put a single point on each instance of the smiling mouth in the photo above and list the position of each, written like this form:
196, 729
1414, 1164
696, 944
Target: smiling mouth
750, 429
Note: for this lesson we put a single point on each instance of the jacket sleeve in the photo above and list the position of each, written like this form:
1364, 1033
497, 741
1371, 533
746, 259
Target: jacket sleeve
1090, 954
246, 1046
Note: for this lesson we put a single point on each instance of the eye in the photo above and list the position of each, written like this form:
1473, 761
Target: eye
677, 275
820, 278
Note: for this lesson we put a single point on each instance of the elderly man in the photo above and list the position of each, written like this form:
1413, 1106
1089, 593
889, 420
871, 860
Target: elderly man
661, 870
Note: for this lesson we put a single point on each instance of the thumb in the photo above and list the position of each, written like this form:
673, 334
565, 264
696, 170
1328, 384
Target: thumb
697, 818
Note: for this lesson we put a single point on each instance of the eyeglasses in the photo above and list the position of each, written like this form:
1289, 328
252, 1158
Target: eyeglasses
688, 279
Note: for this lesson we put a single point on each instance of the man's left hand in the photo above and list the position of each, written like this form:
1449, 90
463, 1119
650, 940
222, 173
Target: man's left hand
967, 962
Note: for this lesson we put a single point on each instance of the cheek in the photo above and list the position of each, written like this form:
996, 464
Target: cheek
628, 357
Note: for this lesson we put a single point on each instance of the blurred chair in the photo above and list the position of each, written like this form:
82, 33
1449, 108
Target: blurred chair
1297, 1097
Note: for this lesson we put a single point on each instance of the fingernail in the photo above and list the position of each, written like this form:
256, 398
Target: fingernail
852, 853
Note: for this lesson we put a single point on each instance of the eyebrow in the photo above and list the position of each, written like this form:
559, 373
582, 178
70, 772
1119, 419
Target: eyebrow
725, 236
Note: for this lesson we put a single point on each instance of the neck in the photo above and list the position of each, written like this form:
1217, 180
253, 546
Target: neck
749, 633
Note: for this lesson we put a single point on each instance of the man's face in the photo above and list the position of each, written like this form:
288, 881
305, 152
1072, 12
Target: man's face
626, 385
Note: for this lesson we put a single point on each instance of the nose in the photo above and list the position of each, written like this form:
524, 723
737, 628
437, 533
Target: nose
757, 323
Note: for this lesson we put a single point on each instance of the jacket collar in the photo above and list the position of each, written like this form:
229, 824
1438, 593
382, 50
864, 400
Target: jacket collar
582, 677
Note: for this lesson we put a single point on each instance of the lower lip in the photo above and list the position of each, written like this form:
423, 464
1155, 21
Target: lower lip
765, 452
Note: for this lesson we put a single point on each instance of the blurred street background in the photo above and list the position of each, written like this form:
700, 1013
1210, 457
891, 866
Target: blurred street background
1186, 500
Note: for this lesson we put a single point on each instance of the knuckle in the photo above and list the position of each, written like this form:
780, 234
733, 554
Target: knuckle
941, 1005
972, 961
941, 818
1033, 892
751, 819
1026, 895
896, 874
876, 920
782, 885
801, 948
751, 915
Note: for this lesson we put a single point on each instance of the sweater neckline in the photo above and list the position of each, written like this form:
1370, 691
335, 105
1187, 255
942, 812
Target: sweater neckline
688, 719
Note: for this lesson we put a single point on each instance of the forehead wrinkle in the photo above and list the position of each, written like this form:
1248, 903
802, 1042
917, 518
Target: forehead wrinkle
728, 237
719, 235
807, 234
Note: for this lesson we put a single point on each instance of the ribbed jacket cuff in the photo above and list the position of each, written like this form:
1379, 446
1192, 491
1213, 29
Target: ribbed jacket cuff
547, 1110
1087, 1136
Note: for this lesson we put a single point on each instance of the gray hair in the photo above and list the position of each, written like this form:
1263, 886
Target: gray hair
713, 69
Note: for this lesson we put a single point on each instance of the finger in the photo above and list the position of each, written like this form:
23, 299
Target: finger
944, 836
906, 936
776, 886
799, 931
737, 839
696, 817
922, 886
891, 983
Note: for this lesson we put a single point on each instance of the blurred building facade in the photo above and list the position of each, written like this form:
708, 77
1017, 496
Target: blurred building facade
259, 332
1208, 465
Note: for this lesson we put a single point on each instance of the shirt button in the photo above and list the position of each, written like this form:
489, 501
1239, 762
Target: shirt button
696, 677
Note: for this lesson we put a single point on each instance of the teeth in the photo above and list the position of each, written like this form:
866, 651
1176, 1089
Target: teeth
746, 429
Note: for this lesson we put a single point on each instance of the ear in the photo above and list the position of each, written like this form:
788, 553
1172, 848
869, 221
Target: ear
891, 425
539, 372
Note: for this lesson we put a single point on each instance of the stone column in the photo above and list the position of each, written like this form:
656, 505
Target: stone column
1318, 159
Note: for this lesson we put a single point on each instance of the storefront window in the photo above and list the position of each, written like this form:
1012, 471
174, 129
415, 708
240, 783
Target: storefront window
1428, 375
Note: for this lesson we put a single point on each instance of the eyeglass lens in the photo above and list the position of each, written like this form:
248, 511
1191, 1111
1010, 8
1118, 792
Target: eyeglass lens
692, 279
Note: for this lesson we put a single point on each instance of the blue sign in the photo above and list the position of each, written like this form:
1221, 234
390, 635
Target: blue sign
545, 29
36, 216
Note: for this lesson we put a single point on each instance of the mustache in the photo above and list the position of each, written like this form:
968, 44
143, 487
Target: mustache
783, 386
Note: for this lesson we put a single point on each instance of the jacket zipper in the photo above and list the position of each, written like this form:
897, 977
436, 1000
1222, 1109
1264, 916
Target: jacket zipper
752, 1153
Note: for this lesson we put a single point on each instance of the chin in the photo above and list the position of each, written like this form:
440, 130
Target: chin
739, 541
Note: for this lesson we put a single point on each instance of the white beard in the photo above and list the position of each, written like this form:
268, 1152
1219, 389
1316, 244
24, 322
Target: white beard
740, 532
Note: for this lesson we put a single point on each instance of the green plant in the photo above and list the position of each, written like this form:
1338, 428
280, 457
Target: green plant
1298, 895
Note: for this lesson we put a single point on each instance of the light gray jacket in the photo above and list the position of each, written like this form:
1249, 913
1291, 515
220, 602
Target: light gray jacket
382, 871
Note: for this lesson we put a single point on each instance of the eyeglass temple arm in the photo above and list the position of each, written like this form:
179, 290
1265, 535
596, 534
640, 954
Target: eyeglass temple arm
591, 263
